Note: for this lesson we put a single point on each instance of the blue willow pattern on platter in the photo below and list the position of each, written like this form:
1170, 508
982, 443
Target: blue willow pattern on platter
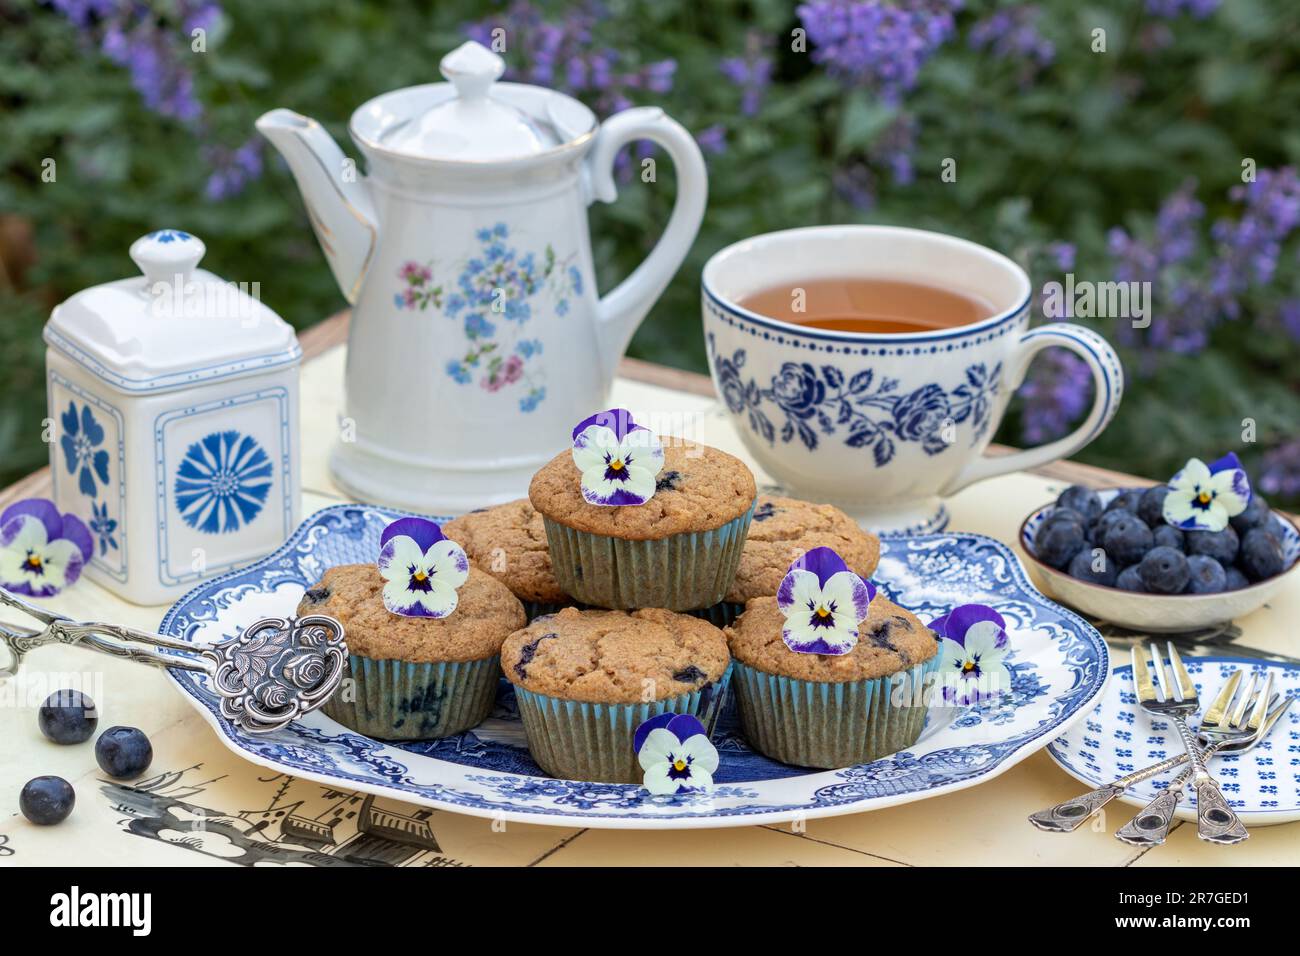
857, 406
488, 770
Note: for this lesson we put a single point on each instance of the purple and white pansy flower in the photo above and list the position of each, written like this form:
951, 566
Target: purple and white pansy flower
823, 603
41, 551
1203, 497
974, 645
675, 753
421, 567
619, 460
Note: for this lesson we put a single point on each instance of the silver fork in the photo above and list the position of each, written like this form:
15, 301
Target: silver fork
1068, 816
1225, 725
1173, 696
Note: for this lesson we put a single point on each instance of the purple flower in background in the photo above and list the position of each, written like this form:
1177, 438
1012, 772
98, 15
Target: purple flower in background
856, 185
1062, 254
1055, 393
561, 54
877, 44
712, 139
84, 12
233, 170
1288, 315
1011, 33
751, 73
1280, 473
1248, 249
1200, 9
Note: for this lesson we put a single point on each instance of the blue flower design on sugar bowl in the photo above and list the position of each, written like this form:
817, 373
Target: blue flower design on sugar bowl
222, 482
174, 399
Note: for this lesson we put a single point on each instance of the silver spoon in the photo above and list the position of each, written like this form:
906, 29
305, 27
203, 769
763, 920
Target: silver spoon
275, 671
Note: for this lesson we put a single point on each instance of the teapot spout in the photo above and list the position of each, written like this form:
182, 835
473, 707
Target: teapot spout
337, 199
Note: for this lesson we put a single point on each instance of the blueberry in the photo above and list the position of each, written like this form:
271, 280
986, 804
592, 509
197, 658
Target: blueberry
1093, 566
1255, 515
1167, 536
668, 481
1151, 506
1235, 579
1065, 514
1056, 542
316, 595
1127, 539
1126, 500
1219, 545
1261, 554
1081, 499
67, 717
690, 675
1130, 580
1107, 519
123, 752
1207, 575
47, 800
1164, 571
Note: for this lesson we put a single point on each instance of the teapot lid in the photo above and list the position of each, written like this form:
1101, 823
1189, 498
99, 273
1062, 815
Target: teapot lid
471, 117
176, 325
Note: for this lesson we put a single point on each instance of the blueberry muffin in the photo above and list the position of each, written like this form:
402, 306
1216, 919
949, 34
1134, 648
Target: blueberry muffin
679, 550
415, 678
830, 711
783, 529
586, 679
509, 543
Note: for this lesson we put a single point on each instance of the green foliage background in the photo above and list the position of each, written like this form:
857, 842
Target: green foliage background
1094, 141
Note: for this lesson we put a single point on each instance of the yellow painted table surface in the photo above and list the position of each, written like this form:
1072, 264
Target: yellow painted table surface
981, 825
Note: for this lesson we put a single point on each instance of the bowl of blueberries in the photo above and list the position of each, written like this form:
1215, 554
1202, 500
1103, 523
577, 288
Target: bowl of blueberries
1115, 555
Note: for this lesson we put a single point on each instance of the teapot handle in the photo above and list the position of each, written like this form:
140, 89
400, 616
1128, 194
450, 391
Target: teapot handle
621, 309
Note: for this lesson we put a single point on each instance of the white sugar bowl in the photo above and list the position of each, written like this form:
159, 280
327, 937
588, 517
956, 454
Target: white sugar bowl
173, 405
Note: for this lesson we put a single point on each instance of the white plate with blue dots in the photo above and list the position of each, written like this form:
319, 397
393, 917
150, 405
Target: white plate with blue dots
1262, 785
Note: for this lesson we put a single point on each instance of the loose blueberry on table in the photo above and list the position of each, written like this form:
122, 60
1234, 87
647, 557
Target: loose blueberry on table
47, 800
123, 752
1129, 544
67, 717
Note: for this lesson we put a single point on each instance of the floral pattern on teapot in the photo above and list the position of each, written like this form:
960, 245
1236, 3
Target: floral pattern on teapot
865, 410
494, 297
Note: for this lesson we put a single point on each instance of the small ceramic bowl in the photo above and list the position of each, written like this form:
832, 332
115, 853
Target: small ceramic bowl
1155, 612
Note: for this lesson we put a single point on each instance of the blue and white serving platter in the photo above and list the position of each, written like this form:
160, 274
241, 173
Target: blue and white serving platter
1059, 663
1262, 785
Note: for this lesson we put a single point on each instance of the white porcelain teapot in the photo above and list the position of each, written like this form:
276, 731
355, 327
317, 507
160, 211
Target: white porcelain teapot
478, 339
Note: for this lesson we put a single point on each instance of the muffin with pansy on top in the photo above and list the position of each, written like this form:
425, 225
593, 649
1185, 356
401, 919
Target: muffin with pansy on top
634, 521
826, 672
424, 632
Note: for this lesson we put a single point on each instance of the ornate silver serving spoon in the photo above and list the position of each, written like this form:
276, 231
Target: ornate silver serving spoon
275, 671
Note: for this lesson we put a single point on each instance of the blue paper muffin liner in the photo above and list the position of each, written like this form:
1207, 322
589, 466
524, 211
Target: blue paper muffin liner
578, 740
829, 725
402, 700
536, 609
721, 614
682, 572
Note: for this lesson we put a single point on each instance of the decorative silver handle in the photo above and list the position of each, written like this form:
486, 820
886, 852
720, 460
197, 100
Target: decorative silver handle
1215, 820
275, 671
1069, 816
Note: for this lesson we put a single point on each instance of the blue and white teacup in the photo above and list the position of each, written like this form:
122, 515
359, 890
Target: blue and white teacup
884, 425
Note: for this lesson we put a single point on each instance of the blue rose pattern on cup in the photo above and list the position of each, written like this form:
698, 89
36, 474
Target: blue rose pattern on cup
858, 407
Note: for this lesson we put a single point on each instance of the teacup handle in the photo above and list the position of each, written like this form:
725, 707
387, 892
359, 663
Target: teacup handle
622, 308
1107, 376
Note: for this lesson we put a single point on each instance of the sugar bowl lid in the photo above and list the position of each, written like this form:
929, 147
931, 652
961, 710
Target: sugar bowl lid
172, 326
471, 117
